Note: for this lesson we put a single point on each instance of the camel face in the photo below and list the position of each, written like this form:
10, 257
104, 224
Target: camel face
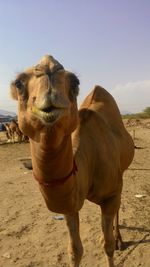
46, 99
49, 97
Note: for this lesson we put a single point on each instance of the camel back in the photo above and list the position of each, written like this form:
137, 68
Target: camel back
99, 103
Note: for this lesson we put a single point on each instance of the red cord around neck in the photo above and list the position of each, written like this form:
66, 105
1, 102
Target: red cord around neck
59, 181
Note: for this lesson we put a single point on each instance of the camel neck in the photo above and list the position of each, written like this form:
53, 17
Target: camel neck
52, 163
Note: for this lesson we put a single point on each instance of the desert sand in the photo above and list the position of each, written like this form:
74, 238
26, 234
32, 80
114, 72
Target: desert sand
32, 236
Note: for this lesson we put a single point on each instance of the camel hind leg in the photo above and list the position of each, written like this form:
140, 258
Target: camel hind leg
108, 241
118, 239
75, 248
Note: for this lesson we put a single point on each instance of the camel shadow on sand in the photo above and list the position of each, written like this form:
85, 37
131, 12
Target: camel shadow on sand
146, 233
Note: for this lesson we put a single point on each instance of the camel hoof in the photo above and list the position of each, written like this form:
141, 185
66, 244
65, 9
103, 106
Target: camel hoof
119, 245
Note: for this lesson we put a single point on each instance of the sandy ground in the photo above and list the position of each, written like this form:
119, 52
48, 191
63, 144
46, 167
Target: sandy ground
30, 236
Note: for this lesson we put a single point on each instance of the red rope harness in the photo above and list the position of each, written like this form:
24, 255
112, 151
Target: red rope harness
59, 181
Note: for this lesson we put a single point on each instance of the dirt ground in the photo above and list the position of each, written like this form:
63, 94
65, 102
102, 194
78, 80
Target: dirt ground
30, 235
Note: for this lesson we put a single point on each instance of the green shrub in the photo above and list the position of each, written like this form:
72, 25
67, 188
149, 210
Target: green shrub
142, 115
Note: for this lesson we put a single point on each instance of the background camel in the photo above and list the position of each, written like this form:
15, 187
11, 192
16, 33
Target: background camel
12, 130
75, 154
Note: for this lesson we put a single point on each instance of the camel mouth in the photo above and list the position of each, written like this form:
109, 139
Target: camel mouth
48, 114
48, 109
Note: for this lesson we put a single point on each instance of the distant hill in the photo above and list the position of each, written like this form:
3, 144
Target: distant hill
7, 113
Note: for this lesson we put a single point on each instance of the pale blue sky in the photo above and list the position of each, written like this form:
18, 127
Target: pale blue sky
104, 42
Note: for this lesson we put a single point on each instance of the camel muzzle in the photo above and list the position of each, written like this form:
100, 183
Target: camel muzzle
48, 114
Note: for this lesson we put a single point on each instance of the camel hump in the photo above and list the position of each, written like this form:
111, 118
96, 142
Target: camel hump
103, 103
98, 95
100, 100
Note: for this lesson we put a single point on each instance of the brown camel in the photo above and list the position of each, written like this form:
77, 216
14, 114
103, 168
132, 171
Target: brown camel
76, 155
12, 129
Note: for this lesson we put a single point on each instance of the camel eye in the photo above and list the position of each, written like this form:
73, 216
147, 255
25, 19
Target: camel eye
18, 84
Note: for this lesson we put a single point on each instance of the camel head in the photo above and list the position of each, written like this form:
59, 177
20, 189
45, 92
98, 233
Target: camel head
46, 95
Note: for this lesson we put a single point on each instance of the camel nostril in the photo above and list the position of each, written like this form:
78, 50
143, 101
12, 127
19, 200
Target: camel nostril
33, 99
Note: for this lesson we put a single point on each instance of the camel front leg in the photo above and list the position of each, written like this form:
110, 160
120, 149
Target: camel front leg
75, 248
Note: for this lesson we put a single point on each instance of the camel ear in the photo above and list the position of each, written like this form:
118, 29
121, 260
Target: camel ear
18, 86
74, 86
13, 91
